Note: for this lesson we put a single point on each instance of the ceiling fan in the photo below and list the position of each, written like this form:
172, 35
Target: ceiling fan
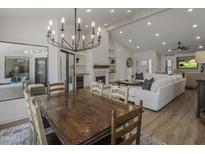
179, 47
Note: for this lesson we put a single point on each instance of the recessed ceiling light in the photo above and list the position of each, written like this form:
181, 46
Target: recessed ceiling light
88, 10
194, 26
121, 32
201, 46
86, 26
105, 24
149, 23
190, 10
157, 34
138, 47
112, 11
198, 37
128, 11
169, 50
130, 40
163, 43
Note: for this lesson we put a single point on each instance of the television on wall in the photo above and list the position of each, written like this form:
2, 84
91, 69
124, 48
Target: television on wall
188, 62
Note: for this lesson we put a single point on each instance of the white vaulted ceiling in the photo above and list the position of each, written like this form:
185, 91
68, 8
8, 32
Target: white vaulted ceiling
172, 25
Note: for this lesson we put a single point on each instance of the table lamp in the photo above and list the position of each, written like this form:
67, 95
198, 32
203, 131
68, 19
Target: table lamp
200, 58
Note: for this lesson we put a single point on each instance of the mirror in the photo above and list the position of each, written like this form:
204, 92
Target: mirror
21, 62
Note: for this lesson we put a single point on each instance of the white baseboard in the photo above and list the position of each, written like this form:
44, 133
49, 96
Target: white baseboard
13, 119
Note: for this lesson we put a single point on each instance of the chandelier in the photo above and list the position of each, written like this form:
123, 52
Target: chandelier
78, 42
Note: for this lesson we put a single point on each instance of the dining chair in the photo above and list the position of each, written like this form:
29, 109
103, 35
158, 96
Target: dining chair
32, 134
127, 126
119, 93
97, 88
42, 137
56, 87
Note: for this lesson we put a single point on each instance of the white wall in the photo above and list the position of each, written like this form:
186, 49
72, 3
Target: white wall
122, 53
31, 31
145, 55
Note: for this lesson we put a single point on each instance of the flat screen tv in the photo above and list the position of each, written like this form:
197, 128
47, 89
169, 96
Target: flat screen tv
187, 62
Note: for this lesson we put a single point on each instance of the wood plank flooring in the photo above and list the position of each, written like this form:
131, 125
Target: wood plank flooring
177, 122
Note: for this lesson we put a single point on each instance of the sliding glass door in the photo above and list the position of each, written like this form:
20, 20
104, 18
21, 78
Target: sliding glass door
67, 69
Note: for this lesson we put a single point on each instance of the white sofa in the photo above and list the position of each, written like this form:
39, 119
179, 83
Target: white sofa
11, 91
164, 89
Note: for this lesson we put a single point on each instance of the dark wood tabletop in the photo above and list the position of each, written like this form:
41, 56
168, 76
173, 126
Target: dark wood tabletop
80, 117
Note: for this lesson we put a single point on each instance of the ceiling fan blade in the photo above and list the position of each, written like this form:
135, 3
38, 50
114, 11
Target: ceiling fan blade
184, 48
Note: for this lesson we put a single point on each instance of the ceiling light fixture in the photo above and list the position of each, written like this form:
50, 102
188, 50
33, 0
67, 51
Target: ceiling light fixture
169, 50
105, 24
149, 23
128, 11
157, 34
112, 11
201, 46
130, 40
121, 32
198, 37
88, 10
190, 10
138, 47
78, 42
194, 26
163, 43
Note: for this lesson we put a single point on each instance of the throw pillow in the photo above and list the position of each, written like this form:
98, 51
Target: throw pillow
139, 76
147, 84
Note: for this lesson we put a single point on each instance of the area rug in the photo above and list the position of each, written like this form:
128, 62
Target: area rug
19, 135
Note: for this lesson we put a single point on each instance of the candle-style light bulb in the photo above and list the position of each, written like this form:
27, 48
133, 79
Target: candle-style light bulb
62, 20
92, 36
73, 37
99, 29
93, 24
50, 23
53, 32
83, 37
62, 35
49, 27
79, 20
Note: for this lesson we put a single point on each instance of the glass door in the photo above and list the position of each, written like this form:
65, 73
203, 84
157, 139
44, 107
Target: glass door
169, 67
41, 70
67, 69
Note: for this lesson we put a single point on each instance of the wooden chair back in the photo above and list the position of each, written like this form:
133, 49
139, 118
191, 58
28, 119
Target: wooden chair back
127, 126
97, 88
27, 98
119, 93
56, 87
37, 119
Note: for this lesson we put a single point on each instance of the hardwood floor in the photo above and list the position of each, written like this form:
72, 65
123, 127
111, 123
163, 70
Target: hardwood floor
177, 122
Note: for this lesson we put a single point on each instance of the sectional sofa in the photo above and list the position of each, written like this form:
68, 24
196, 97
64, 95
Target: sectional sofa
164, 89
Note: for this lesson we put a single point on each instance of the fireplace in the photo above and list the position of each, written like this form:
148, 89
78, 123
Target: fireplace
102, 78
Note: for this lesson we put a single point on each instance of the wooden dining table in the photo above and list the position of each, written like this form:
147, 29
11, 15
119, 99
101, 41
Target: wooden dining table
80, 117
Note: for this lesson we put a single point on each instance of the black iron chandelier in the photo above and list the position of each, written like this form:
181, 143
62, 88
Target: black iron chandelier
78, 40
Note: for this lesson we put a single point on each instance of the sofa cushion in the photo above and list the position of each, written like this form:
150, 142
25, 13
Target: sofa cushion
139, 76
147, 84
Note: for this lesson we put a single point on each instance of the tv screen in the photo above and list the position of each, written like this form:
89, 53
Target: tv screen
187, 63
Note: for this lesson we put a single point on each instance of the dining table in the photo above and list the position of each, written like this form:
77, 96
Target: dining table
80, 117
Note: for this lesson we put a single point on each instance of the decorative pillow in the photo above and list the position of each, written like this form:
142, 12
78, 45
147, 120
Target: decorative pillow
139, 76
147, 84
